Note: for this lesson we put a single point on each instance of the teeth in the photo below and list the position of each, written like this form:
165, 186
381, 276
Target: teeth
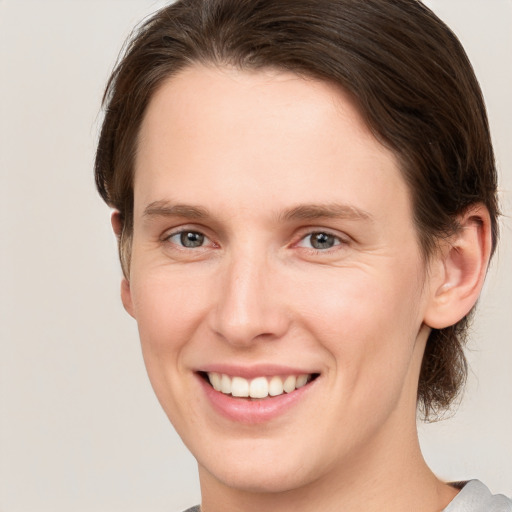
302, 380
239, 386
225, 384
215, 381
289, 383
275, 386
260, 387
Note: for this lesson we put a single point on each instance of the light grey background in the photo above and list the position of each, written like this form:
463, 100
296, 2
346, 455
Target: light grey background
80, 428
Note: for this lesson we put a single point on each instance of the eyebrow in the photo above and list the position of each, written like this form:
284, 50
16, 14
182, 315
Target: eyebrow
164, 208
325, 211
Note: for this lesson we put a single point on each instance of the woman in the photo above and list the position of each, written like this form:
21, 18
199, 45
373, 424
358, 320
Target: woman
305, 202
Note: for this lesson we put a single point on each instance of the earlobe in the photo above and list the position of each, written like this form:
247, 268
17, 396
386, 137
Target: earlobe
116, 221
460, 269
126, 297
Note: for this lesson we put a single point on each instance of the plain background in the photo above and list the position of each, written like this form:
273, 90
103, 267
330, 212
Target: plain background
80, 428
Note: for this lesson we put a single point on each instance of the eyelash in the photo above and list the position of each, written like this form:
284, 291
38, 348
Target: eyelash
337, 240
168, 238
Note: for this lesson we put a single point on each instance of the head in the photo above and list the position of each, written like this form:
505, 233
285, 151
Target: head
405, 72
237, 147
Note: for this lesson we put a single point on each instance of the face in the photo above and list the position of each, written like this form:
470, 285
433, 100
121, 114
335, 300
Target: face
276, 278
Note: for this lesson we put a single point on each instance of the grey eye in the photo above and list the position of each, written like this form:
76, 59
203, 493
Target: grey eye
189, 239
322, 240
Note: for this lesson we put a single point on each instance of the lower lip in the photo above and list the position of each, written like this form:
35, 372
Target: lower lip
249, 411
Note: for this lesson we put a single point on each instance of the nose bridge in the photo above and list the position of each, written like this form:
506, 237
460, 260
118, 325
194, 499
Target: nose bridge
247, 308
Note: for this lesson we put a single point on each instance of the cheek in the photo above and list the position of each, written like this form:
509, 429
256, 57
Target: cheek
168, 308
362, 303
368, 322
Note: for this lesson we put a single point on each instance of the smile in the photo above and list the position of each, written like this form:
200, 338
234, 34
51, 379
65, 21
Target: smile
263, 394
259, 387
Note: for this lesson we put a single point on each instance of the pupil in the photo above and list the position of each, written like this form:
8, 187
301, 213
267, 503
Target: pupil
191, 239
322, 241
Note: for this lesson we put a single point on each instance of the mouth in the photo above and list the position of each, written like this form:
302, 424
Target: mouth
257, 388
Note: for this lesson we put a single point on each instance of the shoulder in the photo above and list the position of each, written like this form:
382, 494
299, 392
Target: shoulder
476, 497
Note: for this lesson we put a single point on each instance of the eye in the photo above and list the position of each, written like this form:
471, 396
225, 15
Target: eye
320, 241
188, 239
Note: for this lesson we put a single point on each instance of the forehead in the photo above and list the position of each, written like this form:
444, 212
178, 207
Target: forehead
265, 138
260, 103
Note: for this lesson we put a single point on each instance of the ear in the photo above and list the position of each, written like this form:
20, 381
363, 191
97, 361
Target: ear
458, 270
117, 223
126, 297
126, 294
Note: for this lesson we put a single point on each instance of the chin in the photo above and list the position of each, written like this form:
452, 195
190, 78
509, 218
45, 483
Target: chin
259, 479
262, 469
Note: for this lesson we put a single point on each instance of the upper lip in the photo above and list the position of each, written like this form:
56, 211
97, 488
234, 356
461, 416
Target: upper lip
253, 371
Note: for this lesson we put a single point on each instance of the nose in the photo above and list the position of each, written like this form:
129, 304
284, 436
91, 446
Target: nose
249, 306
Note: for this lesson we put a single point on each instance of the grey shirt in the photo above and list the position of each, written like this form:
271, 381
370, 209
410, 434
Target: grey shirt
476, 497
473, 497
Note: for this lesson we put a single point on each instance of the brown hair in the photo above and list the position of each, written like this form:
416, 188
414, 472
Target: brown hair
406, 71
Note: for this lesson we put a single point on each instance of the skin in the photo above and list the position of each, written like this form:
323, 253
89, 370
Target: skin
251, 152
